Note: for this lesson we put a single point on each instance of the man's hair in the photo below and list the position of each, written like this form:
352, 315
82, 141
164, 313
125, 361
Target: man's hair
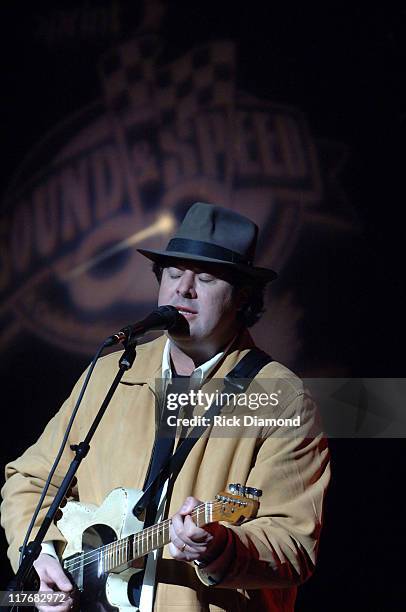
252, 309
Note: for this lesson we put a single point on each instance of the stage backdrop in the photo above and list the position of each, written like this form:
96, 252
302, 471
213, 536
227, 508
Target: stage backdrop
118, 115
120, 173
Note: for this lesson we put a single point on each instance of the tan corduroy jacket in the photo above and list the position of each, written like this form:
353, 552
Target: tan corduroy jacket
270, 554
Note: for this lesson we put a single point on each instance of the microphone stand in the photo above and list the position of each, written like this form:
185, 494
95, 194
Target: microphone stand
33, 549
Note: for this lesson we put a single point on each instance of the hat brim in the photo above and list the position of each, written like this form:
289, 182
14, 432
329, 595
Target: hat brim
261, 274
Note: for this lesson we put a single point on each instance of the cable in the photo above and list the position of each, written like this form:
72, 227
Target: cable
62, 447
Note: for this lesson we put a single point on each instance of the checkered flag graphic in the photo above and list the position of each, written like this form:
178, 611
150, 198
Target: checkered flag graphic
203, 78
128, 75
140, 93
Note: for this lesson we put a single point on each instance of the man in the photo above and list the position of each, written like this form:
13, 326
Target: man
207, 273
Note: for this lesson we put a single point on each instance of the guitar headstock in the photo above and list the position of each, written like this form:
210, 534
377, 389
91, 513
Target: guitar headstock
237, 505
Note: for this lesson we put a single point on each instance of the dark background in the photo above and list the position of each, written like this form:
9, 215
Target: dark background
342, 66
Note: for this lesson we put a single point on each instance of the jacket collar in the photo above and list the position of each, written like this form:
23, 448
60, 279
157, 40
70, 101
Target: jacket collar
148, 363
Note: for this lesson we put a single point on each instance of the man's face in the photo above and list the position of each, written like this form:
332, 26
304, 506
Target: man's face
207, 301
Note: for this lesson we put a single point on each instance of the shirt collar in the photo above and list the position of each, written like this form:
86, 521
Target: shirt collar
198, 375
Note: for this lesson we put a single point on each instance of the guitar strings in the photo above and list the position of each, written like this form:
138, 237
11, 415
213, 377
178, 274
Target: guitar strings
112, 548
144, 535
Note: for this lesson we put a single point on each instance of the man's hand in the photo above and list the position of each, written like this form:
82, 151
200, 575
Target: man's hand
53, 578
192, 543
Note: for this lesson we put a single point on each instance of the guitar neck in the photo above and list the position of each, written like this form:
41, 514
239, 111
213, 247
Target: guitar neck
121, 552
238, 504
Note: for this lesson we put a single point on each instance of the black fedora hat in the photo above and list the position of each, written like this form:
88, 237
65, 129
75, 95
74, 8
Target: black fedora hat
214, 234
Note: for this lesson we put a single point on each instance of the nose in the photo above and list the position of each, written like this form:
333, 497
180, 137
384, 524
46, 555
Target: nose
186, 287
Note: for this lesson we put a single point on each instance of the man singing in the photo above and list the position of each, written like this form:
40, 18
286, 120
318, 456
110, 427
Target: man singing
207, 273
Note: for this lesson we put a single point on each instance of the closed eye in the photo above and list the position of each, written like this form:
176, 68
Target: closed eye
205, 278
175, 272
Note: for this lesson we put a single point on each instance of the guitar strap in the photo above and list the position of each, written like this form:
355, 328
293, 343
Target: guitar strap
235, 381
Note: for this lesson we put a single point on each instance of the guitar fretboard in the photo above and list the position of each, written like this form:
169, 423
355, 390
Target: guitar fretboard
121, 552
227, 507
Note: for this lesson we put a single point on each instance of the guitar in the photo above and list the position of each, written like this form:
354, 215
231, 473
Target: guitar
103, 541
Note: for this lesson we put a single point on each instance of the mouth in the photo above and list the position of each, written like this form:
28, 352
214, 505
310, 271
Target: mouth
187, 312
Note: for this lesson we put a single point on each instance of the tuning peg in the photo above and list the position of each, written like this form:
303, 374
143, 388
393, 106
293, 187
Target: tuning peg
239, 489
253, 491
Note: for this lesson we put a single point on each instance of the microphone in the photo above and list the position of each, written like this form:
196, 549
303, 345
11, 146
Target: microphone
164, 317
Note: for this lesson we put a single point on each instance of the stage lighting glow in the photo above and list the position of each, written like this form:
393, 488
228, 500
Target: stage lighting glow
165, 224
